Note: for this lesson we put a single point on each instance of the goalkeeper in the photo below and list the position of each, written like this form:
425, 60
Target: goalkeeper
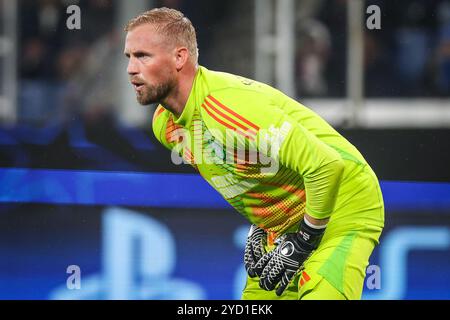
314, 204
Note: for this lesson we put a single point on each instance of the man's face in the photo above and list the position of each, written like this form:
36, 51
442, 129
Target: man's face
151, 65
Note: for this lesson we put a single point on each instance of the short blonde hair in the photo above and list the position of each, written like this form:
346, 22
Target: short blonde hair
170, 23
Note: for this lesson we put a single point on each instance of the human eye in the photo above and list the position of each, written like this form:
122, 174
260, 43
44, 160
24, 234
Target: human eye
142, 55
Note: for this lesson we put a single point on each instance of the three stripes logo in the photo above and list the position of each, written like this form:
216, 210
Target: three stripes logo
230, 119
304, 278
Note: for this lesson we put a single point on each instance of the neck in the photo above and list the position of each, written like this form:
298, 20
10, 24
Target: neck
177, 100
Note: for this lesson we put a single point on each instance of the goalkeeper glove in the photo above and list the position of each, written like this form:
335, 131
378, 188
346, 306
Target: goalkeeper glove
254, 248
281, 264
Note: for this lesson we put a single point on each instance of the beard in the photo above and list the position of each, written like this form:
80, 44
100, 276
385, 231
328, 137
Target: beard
154, 94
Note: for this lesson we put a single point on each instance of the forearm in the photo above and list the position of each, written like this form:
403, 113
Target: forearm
322, 188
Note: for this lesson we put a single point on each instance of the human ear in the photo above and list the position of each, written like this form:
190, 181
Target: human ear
181, 57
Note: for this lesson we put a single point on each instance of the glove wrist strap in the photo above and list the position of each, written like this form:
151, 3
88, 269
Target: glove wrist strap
309, 237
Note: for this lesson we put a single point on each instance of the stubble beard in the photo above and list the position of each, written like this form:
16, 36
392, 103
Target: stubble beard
154, 94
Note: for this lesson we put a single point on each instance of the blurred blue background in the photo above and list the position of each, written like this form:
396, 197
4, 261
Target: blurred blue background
132, 242
83, 181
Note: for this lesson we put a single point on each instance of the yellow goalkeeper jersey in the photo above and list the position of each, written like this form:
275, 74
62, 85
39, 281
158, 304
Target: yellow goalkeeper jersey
269, 156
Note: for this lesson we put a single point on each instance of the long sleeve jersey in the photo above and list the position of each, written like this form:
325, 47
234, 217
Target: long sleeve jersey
269, 156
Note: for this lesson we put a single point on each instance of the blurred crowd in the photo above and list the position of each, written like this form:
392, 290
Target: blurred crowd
408, 57
61, 69
68, 74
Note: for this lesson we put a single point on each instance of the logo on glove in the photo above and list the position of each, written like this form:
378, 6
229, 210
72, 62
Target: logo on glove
288, 249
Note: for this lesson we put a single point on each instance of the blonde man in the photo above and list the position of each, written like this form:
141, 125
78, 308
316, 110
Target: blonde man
315, 207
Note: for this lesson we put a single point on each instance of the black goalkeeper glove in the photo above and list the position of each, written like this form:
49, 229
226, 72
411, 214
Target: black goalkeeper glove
254, 248
281, 264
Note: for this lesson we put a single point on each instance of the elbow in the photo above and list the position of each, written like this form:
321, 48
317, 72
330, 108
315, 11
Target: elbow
338, 168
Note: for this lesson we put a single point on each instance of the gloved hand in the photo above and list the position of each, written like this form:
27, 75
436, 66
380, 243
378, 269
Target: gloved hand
254, 248
281, 264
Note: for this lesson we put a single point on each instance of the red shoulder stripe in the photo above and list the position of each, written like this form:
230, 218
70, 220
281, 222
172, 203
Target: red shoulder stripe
223, 115
219, 104
226, 124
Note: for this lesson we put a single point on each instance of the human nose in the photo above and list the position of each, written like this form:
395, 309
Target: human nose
132, 66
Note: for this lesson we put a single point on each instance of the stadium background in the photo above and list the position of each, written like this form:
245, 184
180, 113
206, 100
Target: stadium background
83, 181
